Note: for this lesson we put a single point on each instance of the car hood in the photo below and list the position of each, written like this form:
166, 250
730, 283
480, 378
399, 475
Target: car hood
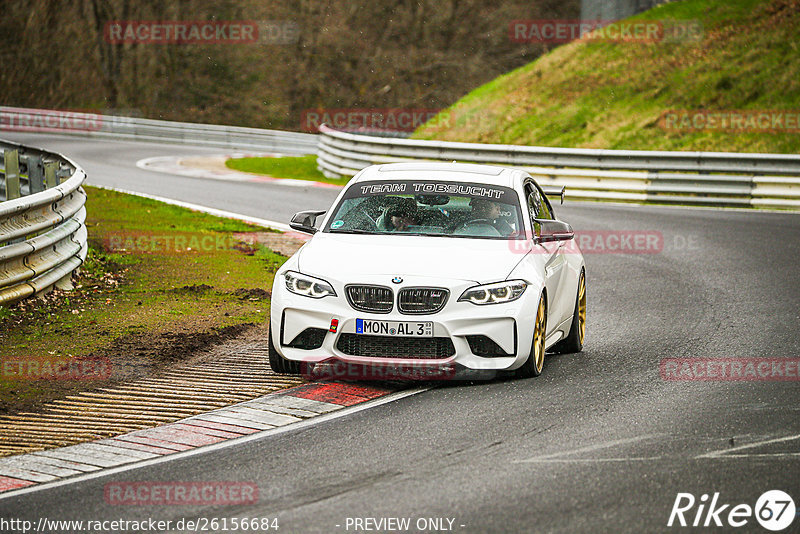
344, 256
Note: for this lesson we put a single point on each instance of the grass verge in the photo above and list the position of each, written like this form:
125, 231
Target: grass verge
295, 167
159, 283
614, 95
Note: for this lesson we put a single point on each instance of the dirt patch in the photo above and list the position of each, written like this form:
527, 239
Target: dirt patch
284, 244
252, 294
195, 288
130, 357
136, 355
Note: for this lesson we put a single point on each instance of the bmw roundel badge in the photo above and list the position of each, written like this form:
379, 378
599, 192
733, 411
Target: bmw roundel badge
397, 280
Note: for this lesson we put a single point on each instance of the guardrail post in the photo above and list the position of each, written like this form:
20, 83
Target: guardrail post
50, 179
65, 284
35, 174
11, 158
62, 173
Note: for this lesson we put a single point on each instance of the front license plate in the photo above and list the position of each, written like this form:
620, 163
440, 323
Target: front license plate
394, 328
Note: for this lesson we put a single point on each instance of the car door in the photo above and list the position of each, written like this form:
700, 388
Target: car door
555, 260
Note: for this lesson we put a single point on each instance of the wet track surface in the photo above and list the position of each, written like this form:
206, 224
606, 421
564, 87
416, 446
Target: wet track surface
599, 442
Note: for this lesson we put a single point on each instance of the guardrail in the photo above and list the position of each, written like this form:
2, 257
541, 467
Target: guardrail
131, 128
43, 238
700, 178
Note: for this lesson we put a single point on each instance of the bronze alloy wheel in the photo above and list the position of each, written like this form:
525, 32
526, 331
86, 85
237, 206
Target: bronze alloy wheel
573, 342
538, 338
535, 362
582, 308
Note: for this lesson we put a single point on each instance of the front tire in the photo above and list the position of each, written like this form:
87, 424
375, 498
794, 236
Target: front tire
278, 363
577, 332
535, 363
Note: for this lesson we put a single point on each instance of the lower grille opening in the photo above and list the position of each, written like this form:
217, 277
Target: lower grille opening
485, 347
396, 347
309, 339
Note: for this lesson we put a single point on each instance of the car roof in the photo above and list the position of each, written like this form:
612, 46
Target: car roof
439, 171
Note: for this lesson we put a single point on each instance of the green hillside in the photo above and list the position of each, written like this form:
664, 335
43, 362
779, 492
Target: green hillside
615, 95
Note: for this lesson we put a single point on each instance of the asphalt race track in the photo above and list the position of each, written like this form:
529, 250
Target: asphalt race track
601, 442
113, 164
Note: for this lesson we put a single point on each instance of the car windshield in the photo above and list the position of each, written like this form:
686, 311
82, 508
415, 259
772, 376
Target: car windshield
429, 208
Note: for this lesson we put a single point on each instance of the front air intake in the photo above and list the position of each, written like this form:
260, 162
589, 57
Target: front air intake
396, 346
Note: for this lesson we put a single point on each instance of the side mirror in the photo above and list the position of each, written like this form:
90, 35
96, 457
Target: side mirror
547, 230
305, 221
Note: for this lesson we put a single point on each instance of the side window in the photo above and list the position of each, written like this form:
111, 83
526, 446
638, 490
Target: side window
533, 205
546, 211
537, 204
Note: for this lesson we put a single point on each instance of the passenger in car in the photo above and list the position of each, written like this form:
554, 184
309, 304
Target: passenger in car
486, 210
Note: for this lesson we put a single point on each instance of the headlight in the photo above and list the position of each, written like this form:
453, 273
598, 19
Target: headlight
495, 293
308, 286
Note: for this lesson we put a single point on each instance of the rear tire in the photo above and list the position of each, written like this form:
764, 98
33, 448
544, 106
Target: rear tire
278, 363
577, 332
535, 363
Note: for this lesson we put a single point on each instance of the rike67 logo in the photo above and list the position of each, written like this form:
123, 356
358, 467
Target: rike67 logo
774, 510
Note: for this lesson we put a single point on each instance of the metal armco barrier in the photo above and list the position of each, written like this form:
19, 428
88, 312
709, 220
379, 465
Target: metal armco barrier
701, 178
43, 238
129, 128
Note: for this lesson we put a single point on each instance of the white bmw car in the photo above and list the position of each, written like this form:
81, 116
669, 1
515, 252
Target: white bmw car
438, 264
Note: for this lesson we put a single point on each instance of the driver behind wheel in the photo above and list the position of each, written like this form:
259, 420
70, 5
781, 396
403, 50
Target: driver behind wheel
486, 210
400, 216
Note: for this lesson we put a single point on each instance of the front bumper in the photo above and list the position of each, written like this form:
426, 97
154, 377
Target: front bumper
509, 326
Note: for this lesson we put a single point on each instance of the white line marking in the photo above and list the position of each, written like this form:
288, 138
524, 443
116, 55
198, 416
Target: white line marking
204, 209
217, 446
777, 455
175, 165
723, 452
592, 460
590, 448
